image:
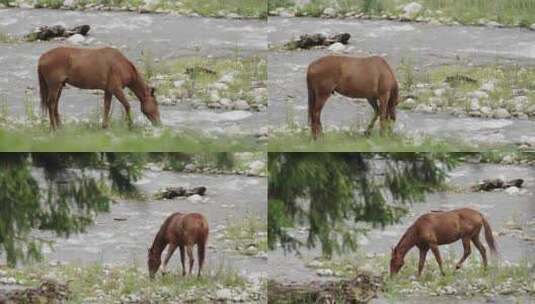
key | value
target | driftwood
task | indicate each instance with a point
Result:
(55, 31)
(172, 192)
(48, 292)
(491, 184)
(362, 289)
(308, 41)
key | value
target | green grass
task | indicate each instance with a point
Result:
(112, 283)
(510, 12)
(506, 79)
(471, 280)
(199, 74)
(353, 141)
(86, 137)
(6, 38)
(249, 231)
(207, 8)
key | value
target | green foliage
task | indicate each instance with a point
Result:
(330, 193)
(371, 6)
(64, 203)
(273, 4)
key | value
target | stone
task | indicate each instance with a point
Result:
(439, 92)
(190, 168)
(241, 105)
(329, 12)
(220, 86)
(70, 3)
(77, 39)
(337, 47)
(479, 95)
(324, 272)
(424, 108)
(411, 10)
(486, 111)
(225, 102)
(251, 250)
(178, 83)
(512, 190)
(520, 99)
(409, 102)
(532, 27)
(223, 294)
(501, 113)
(487, 86)
(227, 78)
(214, 96)
(256, 168)
(195, 198)
(474, 104)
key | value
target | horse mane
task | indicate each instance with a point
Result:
(161, 233)
(405, 236)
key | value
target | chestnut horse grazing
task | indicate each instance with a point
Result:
(438, 228)
(370, 78)
(182, 231)
(94, 69)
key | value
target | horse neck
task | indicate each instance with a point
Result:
(406, 242)
(159, 242)
(138, 86)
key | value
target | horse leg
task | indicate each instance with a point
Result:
(182, 259)
(52, 99)
(373, 103)
(56, 107)
(383, 110)
(481, 249)
(466, 254)
(191, 259)
(107, 107)
(423, 254)
(436, 252)
(170, 250)
(120, 96)
(321, 98)
(201, 247)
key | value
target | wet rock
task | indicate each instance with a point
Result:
(329, 12)
(337, 47)
(56, 31)
(172, 192)
(411, 10)
(241, 105)
(491, 184)
(325, 272)
(76, 39)
(501, 113)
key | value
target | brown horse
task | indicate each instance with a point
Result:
(94, 69)
(370, 78)
(182, 231)
(438, 228)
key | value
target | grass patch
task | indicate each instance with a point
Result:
(234, 78)
(511, 12)
(113, 284)
(456, 84)
(250, 8)
(248, 235)
(6, 38)
(346, 141)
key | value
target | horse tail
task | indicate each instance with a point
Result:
(201, 245)
(43, 90)
(489, 237)
(311, 100)
(393, 101)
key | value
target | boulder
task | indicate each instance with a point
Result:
(241, 105)
(501, 113)
(172, 192)
(76, 39)
(411, 10)
(337, 47)
(329, 12)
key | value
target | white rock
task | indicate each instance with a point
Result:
(227, 78)
(411, 10)
(225, 102)
(214, 96)
(424, 108)
(178, 83)
(223, 294)
(256, 168)
(220, 86)
(251, 250)
(487, 86)
(532, 27)
(474, 104)
(324, 272)
(479, 95)
(439, 92)
(70, 3)
(329, 12)
(512, 190)
(241, 105)
(195, 198)
(76, 39)
(409, 102)
(151, 2)
(337, 47)
(501, 113)
(190, 167)
(521, 99)
(486, 111)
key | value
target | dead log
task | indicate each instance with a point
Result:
(56, 31)
(308, 41)
(491, 184)
(172, 192)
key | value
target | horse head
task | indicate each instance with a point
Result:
(153, 262)
(396, 262)
(149, 106)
